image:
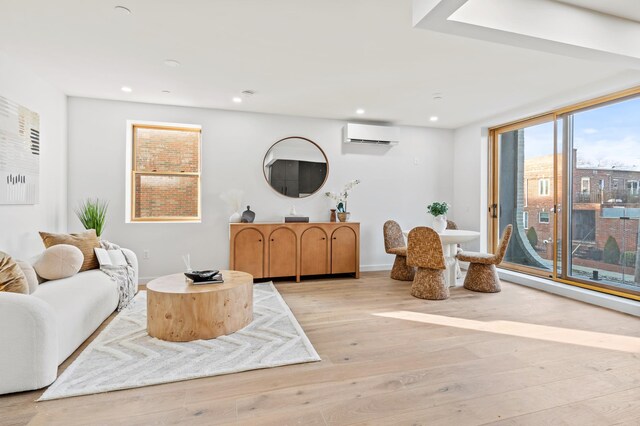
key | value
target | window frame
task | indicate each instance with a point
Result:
(630, 188)
(548, 221)
(133, 173)
(525, 220)
(562, 191)
(582, 187)
(546, 183)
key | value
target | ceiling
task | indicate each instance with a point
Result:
(302, 57)
(628, 9)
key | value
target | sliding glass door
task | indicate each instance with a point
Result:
(569, 183)
(525, 188)
(604, 157)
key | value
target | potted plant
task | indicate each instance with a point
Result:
(341, 200)
(93, 214)
(439, 210)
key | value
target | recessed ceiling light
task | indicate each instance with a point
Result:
(433, 118)
(237, 99)
(171, 63)
(126, 89)
(122, 10)
(249, 92)
(166, 91)
(360, 111)
(437, 96)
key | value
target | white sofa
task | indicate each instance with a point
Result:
(40, 330)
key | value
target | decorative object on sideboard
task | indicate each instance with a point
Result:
(92, 213)
(438, 210)
(19, 154)
(248, 216)
(233, 198)
(333, 217)
(295, 167)
(341, 200)
(344, 216)
(295, 217)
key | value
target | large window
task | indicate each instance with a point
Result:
(165, 173)
(586, 162)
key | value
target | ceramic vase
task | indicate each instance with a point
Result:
(235, 217)
(333, 218)
(439, 223)
(344, 216)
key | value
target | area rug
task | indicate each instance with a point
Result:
(124, 356)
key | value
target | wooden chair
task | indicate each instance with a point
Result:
(424, 251)
(482, 275)
(394, 244)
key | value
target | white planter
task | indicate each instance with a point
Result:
(439, 223)
(235, 218)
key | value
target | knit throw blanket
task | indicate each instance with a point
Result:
(122, 275)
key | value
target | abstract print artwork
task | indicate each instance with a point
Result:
(19, 153)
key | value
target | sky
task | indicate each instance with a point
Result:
(606, 136)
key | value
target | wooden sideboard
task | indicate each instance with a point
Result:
(271, 250)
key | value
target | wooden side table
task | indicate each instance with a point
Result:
(181, 312)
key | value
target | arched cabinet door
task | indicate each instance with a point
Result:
(343, 250)
(249, 252)
(282, 253)
(314, 248)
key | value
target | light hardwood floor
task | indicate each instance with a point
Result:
(455, 362)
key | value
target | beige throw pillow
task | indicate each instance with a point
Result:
(59, 261)
(11, 277)
(85, 241)
(30, 275)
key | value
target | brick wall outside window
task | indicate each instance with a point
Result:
(166, 173)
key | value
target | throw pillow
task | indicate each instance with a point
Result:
(11, 277)
(30, 275)
(85, 241)
(59, 261)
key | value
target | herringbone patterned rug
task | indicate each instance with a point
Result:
(123, 356)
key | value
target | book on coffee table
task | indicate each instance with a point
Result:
(216, 279)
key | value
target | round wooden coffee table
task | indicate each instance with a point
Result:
(181, 312)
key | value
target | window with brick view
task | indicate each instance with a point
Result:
(166, 173)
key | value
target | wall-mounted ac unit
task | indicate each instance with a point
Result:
(367, 133)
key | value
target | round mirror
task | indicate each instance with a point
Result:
(296, 167)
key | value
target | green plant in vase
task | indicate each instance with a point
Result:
(341, 200)
(92, 213)
(439, 210)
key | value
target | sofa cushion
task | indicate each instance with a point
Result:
(80, 304)
(59, 261)
(30, 275)
(12, 278)
(85, 241)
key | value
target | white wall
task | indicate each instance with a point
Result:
(470, 183)
(234, 144)
(20, 223)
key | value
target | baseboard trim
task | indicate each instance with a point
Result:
(371, 268)
(604, 300)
